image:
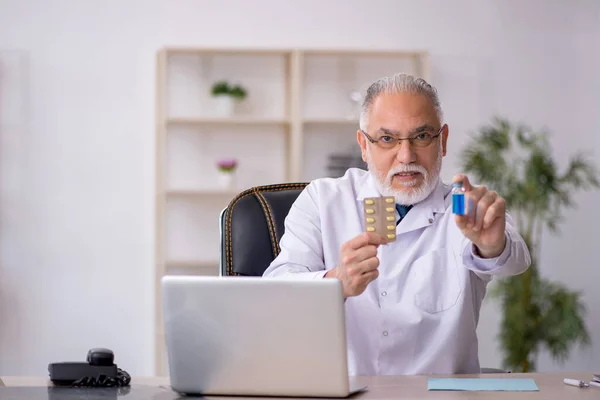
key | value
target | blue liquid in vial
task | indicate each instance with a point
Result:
(458, 203)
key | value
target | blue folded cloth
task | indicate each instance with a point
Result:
(483, 384)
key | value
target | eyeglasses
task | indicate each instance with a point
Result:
(419, 140)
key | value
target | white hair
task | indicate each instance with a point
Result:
(398, 83)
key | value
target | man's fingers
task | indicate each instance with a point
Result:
(476, 194)
(366, 238)
(472, 204)
(358, 255)
(359, 283)
(365, 279)
(472, 200)
(371, 275)
(465, 181)
(359, 262)
(368, 265)
(461, 221)
(496, 210)
(482, 207)
(363, 267)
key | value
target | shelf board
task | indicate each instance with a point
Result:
(226, 121)
(227, 51)
(362, 53)
(203, 192)
(331, 121)
(287, 51)
(208, 264)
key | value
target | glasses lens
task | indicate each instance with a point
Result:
(422, 140)
(419, 141)
(387, 144)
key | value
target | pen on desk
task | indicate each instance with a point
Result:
(575, 382)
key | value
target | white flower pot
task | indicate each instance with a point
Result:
(224, 105)
(226, 180)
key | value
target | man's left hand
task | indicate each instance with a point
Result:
(484, 223)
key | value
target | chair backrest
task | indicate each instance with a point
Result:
(252, 225)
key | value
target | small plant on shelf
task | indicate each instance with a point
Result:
(220, 88)
(226, 168)
(227, 165)
(226, 96)
(238, 92)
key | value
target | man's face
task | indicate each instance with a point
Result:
(407, 172)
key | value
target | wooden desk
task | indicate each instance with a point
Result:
(404, 387)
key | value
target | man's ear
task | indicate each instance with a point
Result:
(444, 139)
(362, 142)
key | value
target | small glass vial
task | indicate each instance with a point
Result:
(458, 198)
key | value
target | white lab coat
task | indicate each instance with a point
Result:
(420, 315)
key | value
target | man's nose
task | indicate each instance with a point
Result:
(405, 153)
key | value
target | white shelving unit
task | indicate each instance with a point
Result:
(298, 111)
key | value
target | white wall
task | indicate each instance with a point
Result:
(77, 164)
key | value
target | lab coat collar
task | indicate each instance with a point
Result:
(435, 202)
(367, 188)
(423, 214)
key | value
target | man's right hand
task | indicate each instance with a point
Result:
(358, 263)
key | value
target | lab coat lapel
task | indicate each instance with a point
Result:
(424, 213)
(367, 188)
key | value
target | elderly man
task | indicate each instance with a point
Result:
(412, 305)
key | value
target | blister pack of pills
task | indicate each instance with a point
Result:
(380, 216)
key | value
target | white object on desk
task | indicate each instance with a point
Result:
(575, 382)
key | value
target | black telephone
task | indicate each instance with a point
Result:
(98, 371)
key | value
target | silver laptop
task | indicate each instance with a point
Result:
(254, 336)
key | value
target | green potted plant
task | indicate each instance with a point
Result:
(517, 162)
(226, 96)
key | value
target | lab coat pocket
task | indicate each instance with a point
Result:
(435, 282)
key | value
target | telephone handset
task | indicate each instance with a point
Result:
(99, 370)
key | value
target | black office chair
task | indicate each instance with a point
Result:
(251, 227)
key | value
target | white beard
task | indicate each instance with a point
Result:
(414, 195)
